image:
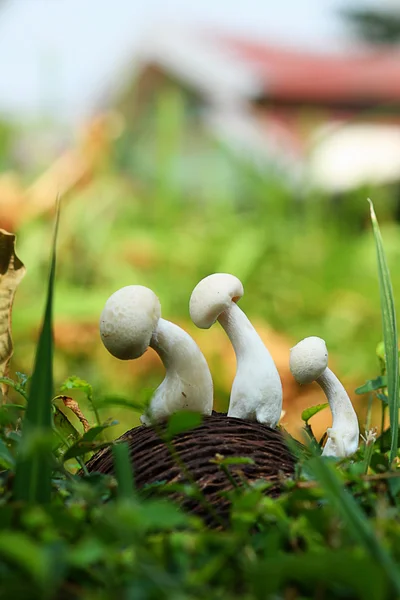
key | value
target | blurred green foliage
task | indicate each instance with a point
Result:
(7, 134)
(374, 26)
(170, 205)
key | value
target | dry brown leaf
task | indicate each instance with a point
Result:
(12, 271)
(74, 406)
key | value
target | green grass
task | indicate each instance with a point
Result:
(34, 463)
(390, 338)
(123, 471)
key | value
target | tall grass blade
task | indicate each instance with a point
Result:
(390, 340)
(353, 517)
(34, 461)
(123, 471)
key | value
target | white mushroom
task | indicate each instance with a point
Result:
(257, 390)
(130, 323)
(309, 362)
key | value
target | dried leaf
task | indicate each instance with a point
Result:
(12, 271)
(74, 406)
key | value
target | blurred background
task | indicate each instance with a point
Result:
(188, 138)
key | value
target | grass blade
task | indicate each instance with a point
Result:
(34, 461)
(390, 340)
(123, 471)
(353, 517)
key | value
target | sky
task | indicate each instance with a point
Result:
(56, 56)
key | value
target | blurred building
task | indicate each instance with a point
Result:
(332, 120)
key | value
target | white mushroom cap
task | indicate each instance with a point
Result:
(308, 359)
(128, 320)
(212, 296)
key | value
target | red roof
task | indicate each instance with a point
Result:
(291, 75)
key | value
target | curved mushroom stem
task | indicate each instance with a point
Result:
(187, 384)
(344, 434)
(257, 389)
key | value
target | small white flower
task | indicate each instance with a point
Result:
(370, 436)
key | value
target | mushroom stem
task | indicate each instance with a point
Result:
(246, 342)
(180, 354)
(344, 418)
(256, 390)
(187, 384)
(240, 331)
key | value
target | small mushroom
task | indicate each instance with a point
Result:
(309, 362)
(257, 390)
(130, 323)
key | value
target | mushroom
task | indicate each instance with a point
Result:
(257, 390)
(130, 323)
(309, 362)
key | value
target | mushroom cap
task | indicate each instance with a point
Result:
(128, 321)
(308, 359)
(212, 296)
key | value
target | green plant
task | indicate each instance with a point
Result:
(390, 338)
(34, 460)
